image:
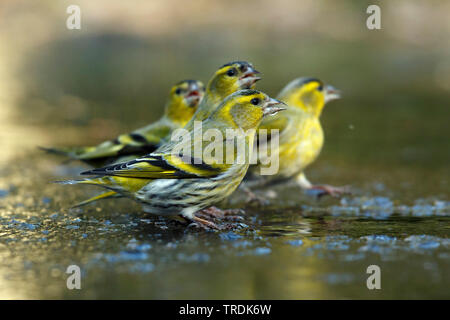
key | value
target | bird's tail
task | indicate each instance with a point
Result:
(100, 181)
(104, 182)
(105, 195)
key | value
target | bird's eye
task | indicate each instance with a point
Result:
(320, 88)
(255, 101)
(231, 72)
(178, 91)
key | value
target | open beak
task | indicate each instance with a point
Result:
(194, 95)
(331, 93)
(273, 106)
(248, 79)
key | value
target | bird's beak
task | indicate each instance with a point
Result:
(248, 79)
(194, 95)
(331, 93)
(273, 106)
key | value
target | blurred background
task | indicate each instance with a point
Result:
(388, 135)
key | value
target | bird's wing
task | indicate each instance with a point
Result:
(160, 166)
(122, 145)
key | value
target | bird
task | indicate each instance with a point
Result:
(184, 98)
(177, 182)
(301, 136)
(229, 78)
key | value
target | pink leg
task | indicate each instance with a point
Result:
(216, 213)
(205, 224)
(330, 190)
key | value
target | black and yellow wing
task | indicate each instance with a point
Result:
(160, 166)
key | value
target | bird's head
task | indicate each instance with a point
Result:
(230, 78)
(309, 94)
(183, 101)
(246, 108)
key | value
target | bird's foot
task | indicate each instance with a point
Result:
(228, 214)
(335, 192)
(203, 224)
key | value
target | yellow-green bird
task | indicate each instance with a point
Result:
(301, 136)
(176, 183)
(184, 98)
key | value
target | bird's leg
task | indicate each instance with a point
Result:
(252, 197)
(304, 183)
(331, 190)
(228, 214)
